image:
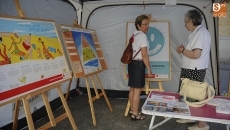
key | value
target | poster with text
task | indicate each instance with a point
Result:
(158, 51)
(84, 50)
(31, 57)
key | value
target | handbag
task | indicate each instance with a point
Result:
(127, 56)
(201, 91)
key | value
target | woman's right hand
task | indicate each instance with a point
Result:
(149, 73)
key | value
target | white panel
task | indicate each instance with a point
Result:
(224, 75)
(224, 47)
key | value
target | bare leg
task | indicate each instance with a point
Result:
(136, 100)
(131, 97)
(201, 124)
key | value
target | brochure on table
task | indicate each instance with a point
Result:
(165, 104)
(222, 105)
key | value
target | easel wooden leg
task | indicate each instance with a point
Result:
(66, 108)
(127, 108)
(102, 89)
(28, 114)
(94, 86)
(48, 109)
(16, 112)
(147, 85)
(69, 85)
(90, 101)
(98, 95)
(53, 121)
(160, 86)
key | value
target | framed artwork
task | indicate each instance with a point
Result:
(159, 50)
(84, 50)
(31, 57)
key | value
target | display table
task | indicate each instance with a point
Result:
(206, 113)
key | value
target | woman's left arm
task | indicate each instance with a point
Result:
(145, 57)
(192, 54)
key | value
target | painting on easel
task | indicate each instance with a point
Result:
(31, 56)
(84, 50)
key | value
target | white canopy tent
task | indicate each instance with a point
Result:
(109, 19)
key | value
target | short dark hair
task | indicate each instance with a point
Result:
(0, 39)
(139, 20)
(195, 16)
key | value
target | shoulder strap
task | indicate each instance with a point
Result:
(136, 53)
(139, 50)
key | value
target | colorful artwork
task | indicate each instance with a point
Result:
(158, 51)
(30, 56)
(84, 50)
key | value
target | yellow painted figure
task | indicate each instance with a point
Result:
(45, 50)
(6, 59)
(16, 51)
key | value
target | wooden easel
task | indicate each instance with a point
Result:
(21, 14)
(16, 112)
(72, 73)
(98, 95)
(75, 24)
(61, 117)
(53, 121)
(147, 90)
(42, 92)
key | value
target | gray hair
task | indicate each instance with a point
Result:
(195, 16)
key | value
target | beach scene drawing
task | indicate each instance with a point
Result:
(31, 56)
(22, 40)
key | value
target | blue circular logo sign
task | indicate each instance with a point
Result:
(156, 41)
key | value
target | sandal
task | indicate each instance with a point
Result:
(131, 113)
(137, 117)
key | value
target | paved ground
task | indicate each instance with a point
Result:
(107, 120)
